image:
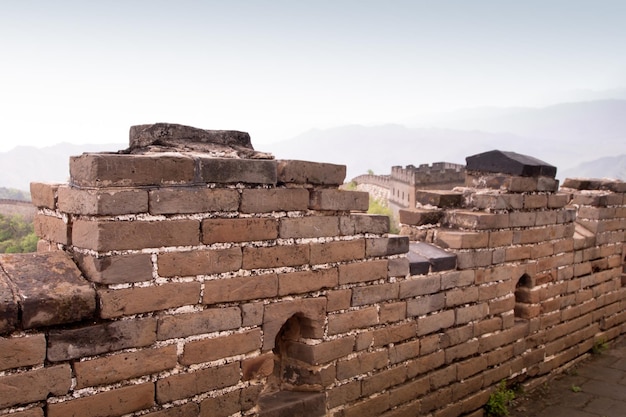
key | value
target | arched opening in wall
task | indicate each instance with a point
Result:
(295, 387)
(524, 298)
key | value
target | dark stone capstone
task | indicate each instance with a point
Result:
(509, 163)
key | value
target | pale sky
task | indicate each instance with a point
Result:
(85, 71)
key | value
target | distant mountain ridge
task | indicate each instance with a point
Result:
(578, 138)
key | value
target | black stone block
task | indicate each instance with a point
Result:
(439, 259)
(509, 163)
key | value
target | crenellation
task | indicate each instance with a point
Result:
(193, 280)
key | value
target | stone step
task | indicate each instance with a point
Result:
(437, 258)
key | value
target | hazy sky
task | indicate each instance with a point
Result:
(85, 71)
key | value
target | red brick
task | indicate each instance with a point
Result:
(128, 301)
(36, 385)
(307, 281)
(238, 230)
(31, 412)
(339, 299)
(392, 312)
(401, 352)
(409, 391)
(193, 200)
(362, 272)
(17, 352)
(115, 368)
(420, 286)
(116, 402)
(425, 363)
(43, 194)
(179, 386)
(222, 405)
(337, 251)
(107, 235)
(338, 200)
(471, 313)
(264, 200)
(310, 226)
(258, 367)
(383, 380)
(115, 170)
(343, 394)
(275, 256)
(240, 288)
(199, 262)
(344, 322)
(371, 407)
(461, 296)
(52, 228)
(500, 238)
(207, 350)
(304, 172)
(425, 304)
(108, 202)
(206, 321)
(116, 269)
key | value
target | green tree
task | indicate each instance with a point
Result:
(16, 235)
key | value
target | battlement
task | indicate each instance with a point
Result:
(180, 279)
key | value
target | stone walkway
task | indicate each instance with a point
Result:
(596, 387)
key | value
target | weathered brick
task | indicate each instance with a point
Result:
(310, 226)
(16, 352)
(305, 172)
(240, 288)
(535, 201)
(232, 170)
(35, 385)
(266, 200)
(386, 246)
(425, 363)
(128, 301)
(419, 216)
(207, 350)
(185, 410)
(258, 366)
(121, 366)
(392, 312)
(338, 200)
(462, 239)
(439, 198)
(179, 386)
(398, 267)
(31, 412)
(371, 407)
(383, 380)
(43, 195)
(357, 319)
(425, 304)
(558, 200)
(344, 394)
(361, 364)
(339, 299)
(474, 259)
(193, 200)
(116, 269)
(435, 322)
(206, 321)
(337, 251)
(222, 405)
(522, 219)
(374, 294)
(102, 202)
(238, 230)
(275, 256)
(101, 338)
(408, 392)
(362, 271)
(358, 223)
(500, 238)
(9, 307)
(322, 352)
(394, 334)
(457, 279)
(307, 281)
(50, 288)
(116, 402)
(401, 352)
(420, 286)
(199, 262)
(106, 235)
(311, 311)
(471, 313)
(497, 201)
(117, 170)
(52, 228)
(461, 296)
(476, 220)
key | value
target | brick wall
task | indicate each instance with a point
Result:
(182, 284)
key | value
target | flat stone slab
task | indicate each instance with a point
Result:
(439, 259)
(418, 264)
(161, 137)
(509, 163)
(49, 288)
(439, 198)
